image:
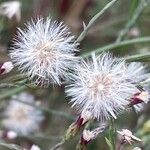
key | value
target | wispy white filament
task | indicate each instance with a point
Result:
(44, 51)
(104, 85)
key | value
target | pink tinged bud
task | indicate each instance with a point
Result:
(85, 116)
(6, 67)
(75, 127)
(143, 96)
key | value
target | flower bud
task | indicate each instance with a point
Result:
(140, 97)
(6, 67)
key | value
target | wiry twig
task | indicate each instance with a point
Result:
(58, 145)
(11, 146)
(134, 18)
(93, 20)
(120, 44)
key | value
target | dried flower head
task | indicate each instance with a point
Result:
(44, 51)
(104, 85)
(11, 9)
(88, 135)
(21, 117)
(127, 136)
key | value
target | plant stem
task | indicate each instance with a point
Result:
(12, 91)
(112, 134)
(138, 57)
(11, 146)
(93, 20)
(133, 20)
(120, 44)
(57, 146)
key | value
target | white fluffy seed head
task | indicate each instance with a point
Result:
(104, 85)
(34, 147)
(20, 117)
(44, 51)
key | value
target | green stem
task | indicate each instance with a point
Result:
(112, 134)
(138, 57)
(11, 146)
(12, 91)
(120, 44)
(93, 20)
(58, 145)
(133, 19)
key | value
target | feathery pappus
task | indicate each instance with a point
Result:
(104, 85)
(44, 51)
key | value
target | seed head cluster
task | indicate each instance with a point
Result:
(100, 87)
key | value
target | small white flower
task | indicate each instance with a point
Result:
(104, 85)
(22, 118)
(6, 67)
(34, 147)
(44, 51)
(11, 9)
(127, 136)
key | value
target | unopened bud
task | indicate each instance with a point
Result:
(138, 98)
(6, 67)
(84, 117)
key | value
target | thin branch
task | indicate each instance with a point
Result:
(12, 91)
(93, 20)
(120, 44)
(133, 20)
(58, 145)
(138, 57)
